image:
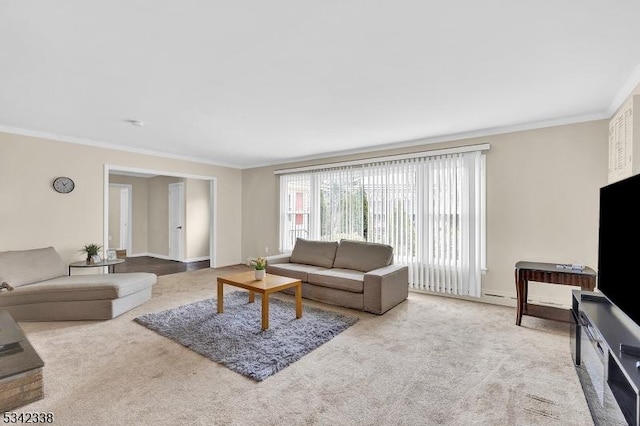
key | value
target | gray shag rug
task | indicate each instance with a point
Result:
(235, 339)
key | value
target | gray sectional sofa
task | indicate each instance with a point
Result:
(353, 274)
(37, 287)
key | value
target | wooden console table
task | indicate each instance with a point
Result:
(551, 274)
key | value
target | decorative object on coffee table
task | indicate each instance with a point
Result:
(91, 250)
(260, 265)
(233, 340)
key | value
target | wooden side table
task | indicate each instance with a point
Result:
(548, 273)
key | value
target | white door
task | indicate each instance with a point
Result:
(176, 221)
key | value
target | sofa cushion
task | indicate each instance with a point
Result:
(79, 287)
(317, 253)
(293, 270)
(30, 266)
(362, 256)
(340, 279)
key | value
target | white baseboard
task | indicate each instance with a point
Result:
(197, 259)
(138, 254)
(499, 298)
(496, 297)
(510, 299)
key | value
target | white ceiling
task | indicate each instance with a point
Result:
(252, 82)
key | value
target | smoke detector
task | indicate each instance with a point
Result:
(135, 123)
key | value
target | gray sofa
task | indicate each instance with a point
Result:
(353, 274)
(37, 287)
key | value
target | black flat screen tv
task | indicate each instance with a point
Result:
(619, 245)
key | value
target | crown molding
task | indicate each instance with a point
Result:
(492, 131)
(625, 91)
(107, 145)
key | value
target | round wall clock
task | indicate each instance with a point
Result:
(63, 185)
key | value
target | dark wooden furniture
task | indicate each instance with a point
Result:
(552, 274)
(607, 371)
(20, 367)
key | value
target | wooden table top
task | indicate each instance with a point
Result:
(270, 283)
(553, 267)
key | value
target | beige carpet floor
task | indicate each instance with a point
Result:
(429, 361)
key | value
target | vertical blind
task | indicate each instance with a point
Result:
(428, 209)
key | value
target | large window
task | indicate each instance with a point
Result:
(429, 209)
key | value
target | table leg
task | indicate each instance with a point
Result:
(588, 284)
(220, 298)
(525, 295)
(251, 296)
(265, 311)
(299, 301)
(519, 291)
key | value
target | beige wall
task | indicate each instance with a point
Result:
(34, 215)
(542, 202)
(197, 218)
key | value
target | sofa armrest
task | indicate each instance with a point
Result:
(278, 258)
(386, 287)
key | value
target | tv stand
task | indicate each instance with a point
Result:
(604, 347)
(630, 349)
(593, 297)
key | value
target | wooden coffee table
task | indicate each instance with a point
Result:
(270, 284)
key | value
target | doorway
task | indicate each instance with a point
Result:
(165, 238)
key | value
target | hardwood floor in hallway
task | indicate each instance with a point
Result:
(158, 266)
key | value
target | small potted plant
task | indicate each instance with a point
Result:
(91, 250)
(260, 265)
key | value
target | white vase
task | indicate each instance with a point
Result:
(259, 274)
